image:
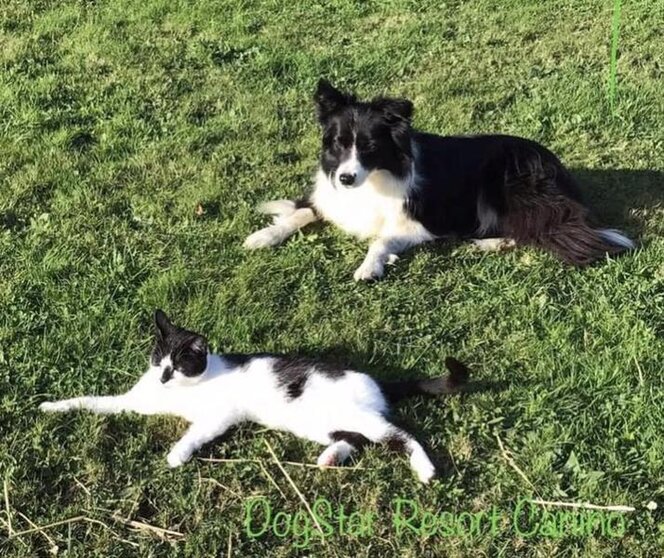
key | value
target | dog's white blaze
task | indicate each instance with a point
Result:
(352, 166)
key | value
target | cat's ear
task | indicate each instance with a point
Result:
(199, 344)
(162, 323)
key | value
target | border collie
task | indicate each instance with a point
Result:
(382, 180)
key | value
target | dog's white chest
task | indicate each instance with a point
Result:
(374, 209)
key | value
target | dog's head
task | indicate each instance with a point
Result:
(362, 137)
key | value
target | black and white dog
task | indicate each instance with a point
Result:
(381, 180)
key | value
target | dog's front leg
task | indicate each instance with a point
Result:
(381, 251)
(289, 216)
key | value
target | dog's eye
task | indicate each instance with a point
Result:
(368, 146)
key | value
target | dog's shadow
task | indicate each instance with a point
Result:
(622, 198)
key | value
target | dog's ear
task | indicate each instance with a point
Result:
(394, 109)
(329, 100)
(397, 113)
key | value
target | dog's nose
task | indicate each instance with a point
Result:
(347, 179)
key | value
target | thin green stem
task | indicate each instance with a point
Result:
(614, 52)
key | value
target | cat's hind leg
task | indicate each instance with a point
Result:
(378, 429)
(106, 404)
(344, 444)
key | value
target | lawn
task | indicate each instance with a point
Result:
(136, 139)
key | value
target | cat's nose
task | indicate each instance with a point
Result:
(166, 375)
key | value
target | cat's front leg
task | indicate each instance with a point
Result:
(288, 217)
(197, 434)
(104, 404)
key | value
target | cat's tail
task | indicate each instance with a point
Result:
(455, 382)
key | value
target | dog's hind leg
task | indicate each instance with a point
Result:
(288, 217)
(544, 209)
(493, 244)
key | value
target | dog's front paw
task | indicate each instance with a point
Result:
(264, 238)
(368, 271)
(177, 457)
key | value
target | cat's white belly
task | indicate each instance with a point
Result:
(331, 405)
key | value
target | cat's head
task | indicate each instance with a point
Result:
(181, 355)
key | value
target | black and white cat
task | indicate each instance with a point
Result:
(342, 409)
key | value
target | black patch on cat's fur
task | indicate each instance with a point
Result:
(397, 443)
(238, 359)
(296, 387)
(355, 439)
(188, 350)
(292, 373)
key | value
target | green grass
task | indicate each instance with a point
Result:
(118, 120)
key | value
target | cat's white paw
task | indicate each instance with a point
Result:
(264, 238)
(422, 466)
(328, 458)
(177, 457)
(51, 407)
(368, 271)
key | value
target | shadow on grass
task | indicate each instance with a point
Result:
(622, 198)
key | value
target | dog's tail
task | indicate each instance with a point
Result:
(455, 382)
(544, 208)
(563, 227)
(576, 242)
